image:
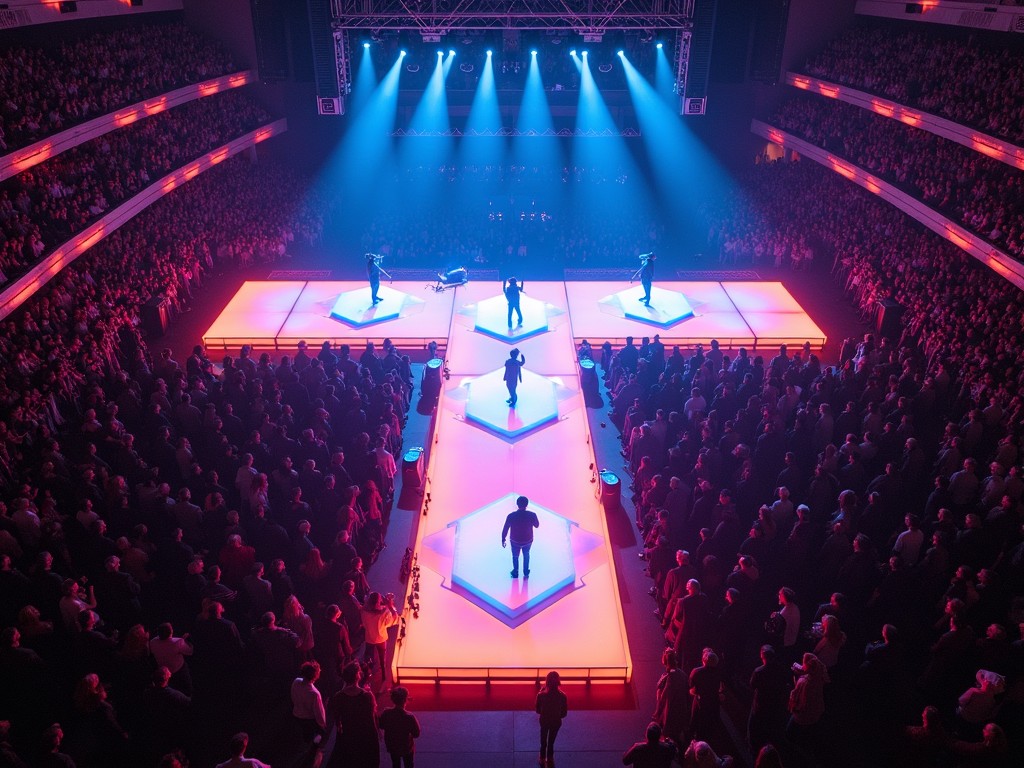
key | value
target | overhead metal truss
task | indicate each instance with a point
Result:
(582, 16)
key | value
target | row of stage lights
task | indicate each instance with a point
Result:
(451, 52)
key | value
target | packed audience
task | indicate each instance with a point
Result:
(43, 207)
(841, 546)
(168, 521)
(981, 193)
(976, 83)
(48, 88)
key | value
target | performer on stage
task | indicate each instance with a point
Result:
(647, 275)
(511, 288)
(373, 273)
(520, 525)
(513, 374)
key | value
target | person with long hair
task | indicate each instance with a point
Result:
(295, 618)
(552, 706)
(673, 705)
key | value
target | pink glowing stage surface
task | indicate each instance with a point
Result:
(272, 314)
(476, 622)
(755, 315)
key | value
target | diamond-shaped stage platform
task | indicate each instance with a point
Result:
(492, 318)
(357, 308)
(468, 553)
(665, 310)
(485, 405)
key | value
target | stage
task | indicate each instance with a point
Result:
(276, 315)
(473, 621)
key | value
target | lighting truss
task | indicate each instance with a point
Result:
(438, 17)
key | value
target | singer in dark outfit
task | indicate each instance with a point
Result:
(513, 375)
(518, 528)
(647, 276)
(373, 273)
(512, 289)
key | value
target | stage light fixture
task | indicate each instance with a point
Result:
(401, 53)
(366, 46)
(489, 53)
(451, 51)
(440, 54)
(533, 52)
(620, 53)
(660, 46)
(572, 52)
(584, 54)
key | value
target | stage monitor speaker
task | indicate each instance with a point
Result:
(611, 491)
(412, 468)
(888, 313)
(589, 384)
(156, 316)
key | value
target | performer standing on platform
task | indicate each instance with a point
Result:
(514, 374)
(520, 525)
(511, 288)
(647, 275)
(373, 273)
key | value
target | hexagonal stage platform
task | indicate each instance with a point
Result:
(470, 556)
(485, 405)
(356, 308)
(665, 310)
(492, 318)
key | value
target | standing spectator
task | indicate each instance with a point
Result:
(807, 704)
(308, 705)
(401, 729)
(353, 709)
(552, 706)
(672, 710)
(379, 614)
(170, 651)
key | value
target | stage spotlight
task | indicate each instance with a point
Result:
(451, 51)
(533, 53)
(584, 54)
(401, 53)
(366, 45)
(620, 53)
(572, 52)
(440, 53)
(660, 46)
(489, 53)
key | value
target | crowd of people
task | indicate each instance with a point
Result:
(976, 82)
(841, 546)
(43, 207)
(981, 193)
(193, 532)
(48, 88)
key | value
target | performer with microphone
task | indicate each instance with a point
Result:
(647, 275)
(373, 272)
(511, 288)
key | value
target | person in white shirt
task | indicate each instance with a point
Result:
(308, 705)
(909, 543)
(386, 464)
